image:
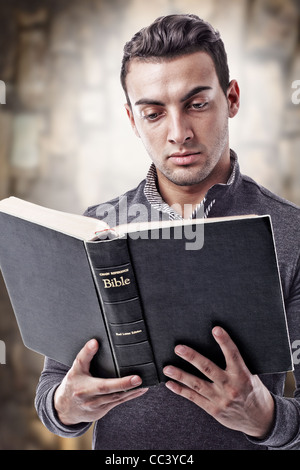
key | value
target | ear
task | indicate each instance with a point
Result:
(233, 98)
(131, 119)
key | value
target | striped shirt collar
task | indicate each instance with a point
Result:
(157, 202)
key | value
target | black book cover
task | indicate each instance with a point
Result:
(232, 281)
(57, 289)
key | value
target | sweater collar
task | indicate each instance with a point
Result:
(204, 207)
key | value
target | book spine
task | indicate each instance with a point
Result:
(122, 309)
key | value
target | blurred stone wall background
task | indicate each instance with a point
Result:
(65, 141)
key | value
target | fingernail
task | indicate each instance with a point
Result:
(172, 386)
(217, 331)
(92, 344)
(136, 380)
(169, 371)
(180, 350)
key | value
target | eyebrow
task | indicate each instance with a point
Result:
(195, 91)
(190, 94)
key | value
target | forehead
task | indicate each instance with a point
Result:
(170, 76)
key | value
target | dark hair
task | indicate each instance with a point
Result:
(175, 35)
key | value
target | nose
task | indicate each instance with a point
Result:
(180, 130)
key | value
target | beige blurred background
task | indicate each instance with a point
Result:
(65, 141)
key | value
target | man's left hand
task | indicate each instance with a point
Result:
(235, 398)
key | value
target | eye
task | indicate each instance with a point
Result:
(152, 116)
(198, 106)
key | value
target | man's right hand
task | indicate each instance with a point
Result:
(83, 398)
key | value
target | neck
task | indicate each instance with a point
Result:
(184, 199)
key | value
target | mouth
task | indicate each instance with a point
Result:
(184, 158)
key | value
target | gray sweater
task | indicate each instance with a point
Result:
(162, 420)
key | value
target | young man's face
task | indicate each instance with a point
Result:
(181, 114)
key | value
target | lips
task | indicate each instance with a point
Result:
(186, 158)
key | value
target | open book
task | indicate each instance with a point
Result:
(87, 228)
(140, 290)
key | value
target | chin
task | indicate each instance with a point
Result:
(185, 177)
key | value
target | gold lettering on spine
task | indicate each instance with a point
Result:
(114, 282)
(129, 333)
(114, 272)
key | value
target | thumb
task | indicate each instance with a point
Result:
(83, 359)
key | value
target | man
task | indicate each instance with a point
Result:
(179, 99)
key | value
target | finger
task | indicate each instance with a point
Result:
(115, 398)
(189, 394)
(200, 386)
(202, 363)
(108, 386)
(83, 359)
(233, 358)
(127, 396)
(122, 399)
